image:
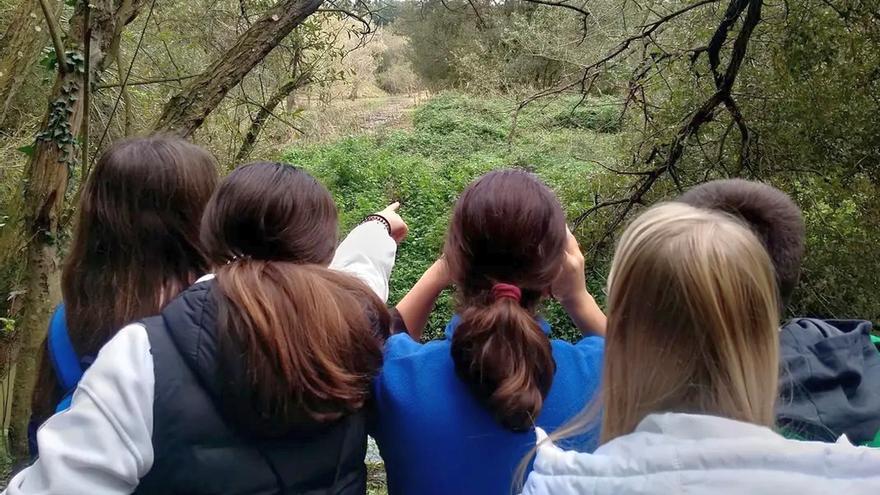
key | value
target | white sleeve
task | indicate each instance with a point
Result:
(102, 445)
(368, 253)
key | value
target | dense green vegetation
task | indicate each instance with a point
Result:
(454, 139)
(616, 104)
(785, 93)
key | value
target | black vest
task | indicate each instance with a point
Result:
(197, 451)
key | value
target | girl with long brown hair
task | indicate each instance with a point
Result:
(135, 246)
(252, 380)
(456, 415)
(690, 375)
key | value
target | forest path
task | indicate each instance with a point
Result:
(394, 112)
(367, 115)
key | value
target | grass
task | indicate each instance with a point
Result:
(453, 140)
(376, 481)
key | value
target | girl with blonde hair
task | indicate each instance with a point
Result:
(690, 375)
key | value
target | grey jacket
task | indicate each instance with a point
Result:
(829, 380)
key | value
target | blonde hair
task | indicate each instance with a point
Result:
(693, 315)
(692, 323)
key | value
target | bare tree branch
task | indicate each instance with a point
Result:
(187, 110)
(563, 5)
(146, 82)
(665, 162)
(745, 133)
(137, 49)
(480, 22)
(301, 76)
(585, 14)
(55, 34)
(590, 70)
(126, 99)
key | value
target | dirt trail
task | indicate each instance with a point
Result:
(342, 118)
(394, 112)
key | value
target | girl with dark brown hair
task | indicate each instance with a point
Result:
(455, 415)
(254, 379)
(135, 246)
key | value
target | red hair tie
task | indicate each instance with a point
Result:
(502, 290)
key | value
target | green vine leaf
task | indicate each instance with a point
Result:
(7, 326)
(28, 150)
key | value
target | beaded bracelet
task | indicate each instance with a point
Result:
(378, 218)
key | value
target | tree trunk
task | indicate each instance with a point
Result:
(186, 111)
(21, 45)
(45, 185)
(250, 140)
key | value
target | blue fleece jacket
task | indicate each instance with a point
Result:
(437, 438)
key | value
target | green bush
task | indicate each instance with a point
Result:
(596, 115)
(454, 140)
(843, 243)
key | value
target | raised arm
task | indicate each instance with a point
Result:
(417, 304)
(570, 289)
(368, 252)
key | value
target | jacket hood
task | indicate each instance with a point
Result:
(829, 382)
(685, 453)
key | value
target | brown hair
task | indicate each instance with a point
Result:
(507, 227)
(771, 214)
(135, 244)
(293, 350)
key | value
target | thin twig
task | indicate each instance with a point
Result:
(245, 99)
(146, 82)
(137, 48)
(87, 90)
(126, 100)
(480, 22)
(367, 27)
(55, 34)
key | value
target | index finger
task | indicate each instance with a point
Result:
(393, 206)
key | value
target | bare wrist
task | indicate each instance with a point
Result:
(437, 278)
(575, 300)
(586, 314)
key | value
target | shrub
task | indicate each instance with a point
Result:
(599, 115)
(454, 140)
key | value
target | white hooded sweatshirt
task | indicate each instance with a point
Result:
(698, 454)
(102, 444)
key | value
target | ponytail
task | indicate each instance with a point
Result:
(503, 355)
(299, 344)
(507, 226)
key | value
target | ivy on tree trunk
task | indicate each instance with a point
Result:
(45, 186)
